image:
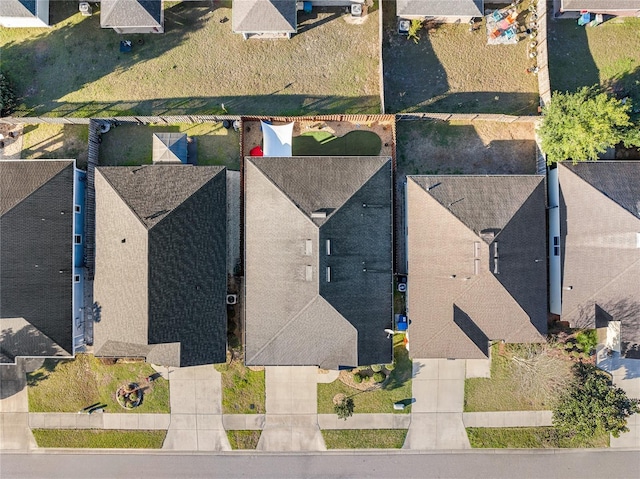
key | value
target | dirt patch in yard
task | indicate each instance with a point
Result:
(458, 147)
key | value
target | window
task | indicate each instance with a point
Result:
(556, 246)
(76, 208)
(76, 278)
(77, 239)
(328, 247)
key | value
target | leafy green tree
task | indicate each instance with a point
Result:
(344, 408)
(593, 403)
(7, 96)
(578, 126)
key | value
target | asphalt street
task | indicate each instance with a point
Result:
(548, 464)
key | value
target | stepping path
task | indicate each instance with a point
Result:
(291, 419)
(436, 414)
(196, 410)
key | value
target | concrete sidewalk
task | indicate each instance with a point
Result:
(61, 420)
(14, 409)
(365, 421)
(507, 419)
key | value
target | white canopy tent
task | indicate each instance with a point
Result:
(277, 139)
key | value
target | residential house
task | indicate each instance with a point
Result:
(318, 261)
(265, 18)
(132, 16)
(160, 273)
(622, 8)
(600, 248)
(41, 258)
(24, 13)
(476, 263)
(448, 11)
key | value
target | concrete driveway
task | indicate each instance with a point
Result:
(14, 409)
(436, 414)
(196, 410)
(291, 420)
(626, 375)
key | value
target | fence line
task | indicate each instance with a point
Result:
(380, 59)
(544, 82)
(467, 117)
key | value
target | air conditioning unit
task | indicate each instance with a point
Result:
(232, 298)
(85, 9)
(356, 9)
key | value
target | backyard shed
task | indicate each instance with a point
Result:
(169, 148)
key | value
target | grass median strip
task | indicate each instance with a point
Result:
(90, 438)
(529, 438)
(243, 390)
(364, 438)
(243, 439)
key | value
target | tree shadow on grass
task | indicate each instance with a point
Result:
(46, 67)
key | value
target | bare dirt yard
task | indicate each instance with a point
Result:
(461, 147)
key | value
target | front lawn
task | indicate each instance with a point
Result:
(364, 438)
(107, 439)
(72, 385)
(397, 388)
(243, 390)
(515, 385)
(197, 66)
(131, 145)
(528, 438)
(243, 439)
(455, 71)
(608, 55)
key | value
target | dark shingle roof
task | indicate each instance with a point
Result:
(596, 5)
(600, 224)
(162, 291)
(288, 298)
(459, 293)
(36, 225)
(131, 13)
(440, 8)
(256, 16)
(17, 8)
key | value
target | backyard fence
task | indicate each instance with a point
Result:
(471, 117)
(544, 82)
(125, 120)
(381, 62)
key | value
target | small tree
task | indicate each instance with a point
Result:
(379, 377)
(344, 408)
(593, 403)
(414, 28)
(7, 96)
(578, 126)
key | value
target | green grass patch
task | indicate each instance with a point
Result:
(243, 439)
(46, 141)
(72, 385)
(106, 439)
(397, 388)
(364, 438)
(322, 143)
(608, 55)
(76, 68)
(529, 438)
(243, 390)
(132, 145)
(501, 392)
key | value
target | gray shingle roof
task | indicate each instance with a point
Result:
(440, 8)
(600, 222)
(294, 316)
(36, 222)
(130, 13)
(169, 148)
(18, 8)
(597, 5)
(161, 263)
(256, 16)
(460, 295)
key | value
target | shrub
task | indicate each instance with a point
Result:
(379, 377)
(416, 26)
(7, 96)
(376, 368)
(587, 341)
(344, 408)
(390, 367)
(357, 378)
(365, 378)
